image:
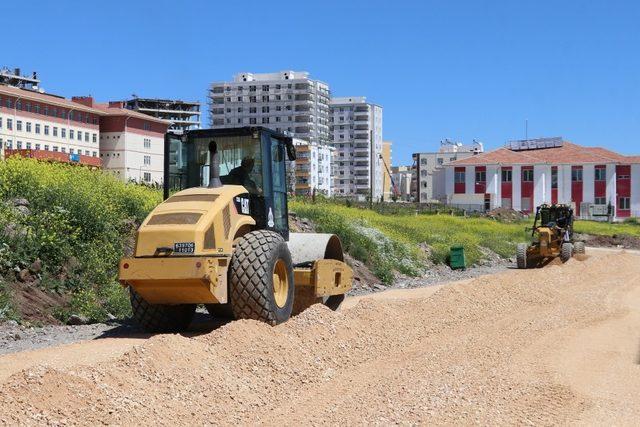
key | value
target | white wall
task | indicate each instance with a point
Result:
(516, 189)
(493, 186)
(564, 184)
(588, 188)
(541, 185)
(449, 177)
(611, 185)
(470, 179)
(123, 153)
(635, 190)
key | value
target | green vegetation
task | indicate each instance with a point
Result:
(630, 228)
(363, 230)
(78, 223)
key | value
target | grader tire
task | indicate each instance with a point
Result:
(158, 317)
(566, 252)
(261, 278)
(579, 247)
(521, 255)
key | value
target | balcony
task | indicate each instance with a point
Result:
(361, 119)
(303, 119)
(362, 109)
(361, 136)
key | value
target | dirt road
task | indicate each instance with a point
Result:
(558, 345)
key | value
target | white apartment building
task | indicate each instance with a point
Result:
(287, 101)
(39, 125)
(132, 144)
(313, 168)
(356, 129)
(424, 185)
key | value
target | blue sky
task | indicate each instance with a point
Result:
(447, 69)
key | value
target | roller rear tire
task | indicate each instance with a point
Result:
(261, 278)
(159, 317)
(579, 248)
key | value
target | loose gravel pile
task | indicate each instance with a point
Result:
(500, 349)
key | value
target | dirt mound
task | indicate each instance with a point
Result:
(505, 215)
(486, 351)
(615, 241)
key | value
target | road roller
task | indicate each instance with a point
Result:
(221, 237)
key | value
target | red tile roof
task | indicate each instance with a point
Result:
(88, 106)
(45, 98)
(569, 153)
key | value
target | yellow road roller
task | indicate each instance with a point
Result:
(221, 237)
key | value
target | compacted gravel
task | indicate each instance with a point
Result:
(549, 346)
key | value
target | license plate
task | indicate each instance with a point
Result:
(184, 247)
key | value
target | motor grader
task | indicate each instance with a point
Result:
(551, 237)
(221, 237)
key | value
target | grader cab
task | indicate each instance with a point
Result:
(551, 237)
(221, 237)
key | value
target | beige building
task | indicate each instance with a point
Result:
(387, 189)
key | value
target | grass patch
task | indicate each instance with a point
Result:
(630, 228)
(403, 232)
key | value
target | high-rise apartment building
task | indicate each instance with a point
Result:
(356, 128)
(287, 101)
(313, 168)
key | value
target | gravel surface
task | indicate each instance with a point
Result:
(551, 346)
(15, 337)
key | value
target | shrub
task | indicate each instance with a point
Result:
(79, 223)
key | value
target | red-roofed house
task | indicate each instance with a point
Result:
(49, 127)
(549, 170)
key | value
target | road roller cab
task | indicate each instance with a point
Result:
(221, 237)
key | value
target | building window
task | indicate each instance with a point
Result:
(265, 120)
(576, 175)
(252, 120)
(79, 135)
(624, 203)
(94, 138)
(46, 148)
(147, 177)
(0, 122)
(94, 154)
(507, 175)
(146, 126)
(601, 174)
(86, 137)
(55, 148)
(147, 160)
(63, 149)
(36, 109)
(71, 134)
(481, 176)
(147, 143)
(554, 178)
(37, 146)
(46, 129)
(527, 175)
(63, 132)
(55, 131)
(600, 200)
(19, 145)
(459, 177)
(10, 124)
(19, 126)
(28, 146)
(440, 161)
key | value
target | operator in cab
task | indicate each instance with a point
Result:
(241, 175)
